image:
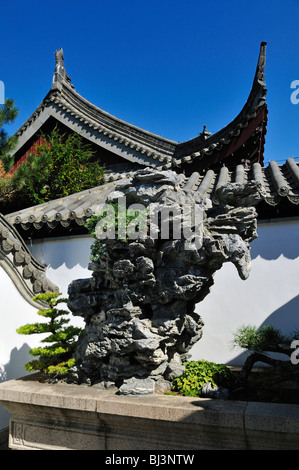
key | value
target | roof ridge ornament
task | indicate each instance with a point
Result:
(261, 63)
(204, 134)
(60, 74)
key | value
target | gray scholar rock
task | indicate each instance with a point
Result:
(139, 304)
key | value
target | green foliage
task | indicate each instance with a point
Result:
(260, 342)
(263, 339)
(59, 166)
(115, 223)
(8, 113)
(56, 357)
(197, 373)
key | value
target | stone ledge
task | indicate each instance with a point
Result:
(61, 416)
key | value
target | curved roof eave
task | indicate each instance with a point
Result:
(255, 108)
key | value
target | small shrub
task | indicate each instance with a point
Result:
(197, 373)
(56, 357)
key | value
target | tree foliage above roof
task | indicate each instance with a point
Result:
(8, 113)
(60, 165)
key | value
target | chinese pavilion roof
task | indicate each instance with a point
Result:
(121, 143)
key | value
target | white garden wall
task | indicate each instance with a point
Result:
(66, 260)
(270, 295)
(14, 312)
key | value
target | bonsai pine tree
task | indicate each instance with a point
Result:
(260, 342)
(56, 357)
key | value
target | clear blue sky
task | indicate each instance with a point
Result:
(167, 66)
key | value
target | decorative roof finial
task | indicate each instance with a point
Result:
(60, 74)
(204, 134)
(261, 63)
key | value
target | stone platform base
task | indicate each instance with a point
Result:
(72, 417)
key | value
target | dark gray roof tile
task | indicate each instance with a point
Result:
(278, 182)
